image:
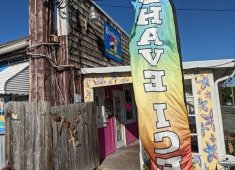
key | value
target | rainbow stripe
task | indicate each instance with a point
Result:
(157, 80)
(2, 124)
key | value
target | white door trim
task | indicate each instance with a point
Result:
(120, 94)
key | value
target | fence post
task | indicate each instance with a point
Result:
(48, 136)
(8, 136)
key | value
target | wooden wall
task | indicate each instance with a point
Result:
(33, 142)
(86, 48)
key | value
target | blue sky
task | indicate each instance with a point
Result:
(14, 20)
(204, 35)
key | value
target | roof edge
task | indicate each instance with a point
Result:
(223, 63)
(14, 45)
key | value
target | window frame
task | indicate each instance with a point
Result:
(99, 93)
(198, 125)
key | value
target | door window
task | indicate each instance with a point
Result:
(100, 107)
(192, 118)
(228, 119)
(130, 106)
(118, 102)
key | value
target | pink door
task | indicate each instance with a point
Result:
(106, 139)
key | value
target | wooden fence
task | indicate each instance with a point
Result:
(33, 140)
(2, 150)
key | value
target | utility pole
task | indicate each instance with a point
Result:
(40, 29)
(51, 77)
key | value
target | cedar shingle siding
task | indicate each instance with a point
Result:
(86, 47)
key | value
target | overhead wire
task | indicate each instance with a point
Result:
(205, 9)
(178, 9)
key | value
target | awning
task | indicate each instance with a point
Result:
(230, 82)
(14, 79)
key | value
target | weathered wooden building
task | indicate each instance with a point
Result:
(86, 40)
(63, 39)
(101, 44)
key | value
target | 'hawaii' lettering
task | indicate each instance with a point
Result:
(154, 82)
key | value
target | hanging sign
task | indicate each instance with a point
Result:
(112, 43)
(158, 86)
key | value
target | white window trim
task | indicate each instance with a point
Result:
(198, 125)
(101, 117)
(122, 123)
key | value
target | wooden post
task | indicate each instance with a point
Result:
(46, 82)
(8, 135)
(40, 29)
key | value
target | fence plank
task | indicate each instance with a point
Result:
(7, 137)
(85, 156)
(2, 151)
(48, 136)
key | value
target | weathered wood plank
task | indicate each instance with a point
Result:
(7, 137)
(28, 136)
(48, 136)
(33, 141)
(2, 149)
(68, 156)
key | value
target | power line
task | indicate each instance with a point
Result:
(115, 6)
(178, 9)
(213, 10)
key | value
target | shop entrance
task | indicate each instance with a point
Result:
(116, 118)
(118, 105)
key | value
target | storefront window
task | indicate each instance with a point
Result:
(191, 114)
(228, 118)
